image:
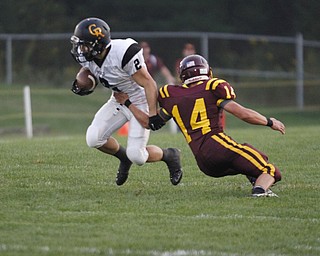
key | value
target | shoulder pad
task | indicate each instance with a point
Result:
(213, 83)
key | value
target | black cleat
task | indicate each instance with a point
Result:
(172, 160)
(123, 173)
(251, 179)
(176, 176)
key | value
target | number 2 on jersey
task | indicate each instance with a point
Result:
(137, 64)
(199, 119)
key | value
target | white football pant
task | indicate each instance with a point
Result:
(111, 117)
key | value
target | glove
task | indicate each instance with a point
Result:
(75, 89)
(156, 122)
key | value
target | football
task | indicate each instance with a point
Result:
(86, 80)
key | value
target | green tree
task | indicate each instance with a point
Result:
(271, 17)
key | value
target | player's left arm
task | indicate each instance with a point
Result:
(133, 63)
(144, 79)
(251, 116)
(227, 95)
(159, 119)
(141, 116)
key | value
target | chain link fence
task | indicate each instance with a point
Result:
(265, 70)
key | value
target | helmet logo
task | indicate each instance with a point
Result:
(203, 71)
(190, 64)
(95, 31)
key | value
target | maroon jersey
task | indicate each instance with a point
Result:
(197, 110)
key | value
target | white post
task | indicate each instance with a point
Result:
(28, 112)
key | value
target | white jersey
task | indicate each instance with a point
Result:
(123, 60)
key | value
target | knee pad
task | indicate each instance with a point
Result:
(138, 156)
(93, 137)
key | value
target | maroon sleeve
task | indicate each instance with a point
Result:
(224, 90)
(221, 89)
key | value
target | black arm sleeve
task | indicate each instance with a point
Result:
(131, 51)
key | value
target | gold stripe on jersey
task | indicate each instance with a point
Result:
(161, 92)
(219, 102)
(164, 92)
(213, 83)
(256, 159)
(209, 83)
(165, 111)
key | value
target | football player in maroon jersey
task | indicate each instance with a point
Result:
(197, 107)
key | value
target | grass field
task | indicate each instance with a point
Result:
(58, 197)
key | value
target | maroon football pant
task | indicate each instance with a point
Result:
(222, 156)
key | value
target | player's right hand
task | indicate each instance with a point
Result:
(278, 126)
(79, 91)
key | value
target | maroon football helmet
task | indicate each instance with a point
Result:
(194, 68)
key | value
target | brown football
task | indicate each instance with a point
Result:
(85, 79)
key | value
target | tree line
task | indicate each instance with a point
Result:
(270, 17)
(50, 62)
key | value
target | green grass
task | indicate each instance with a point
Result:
(58, 197)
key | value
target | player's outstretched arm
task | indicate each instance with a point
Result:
(253, 117)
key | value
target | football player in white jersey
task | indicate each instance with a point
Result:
(119, 65)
